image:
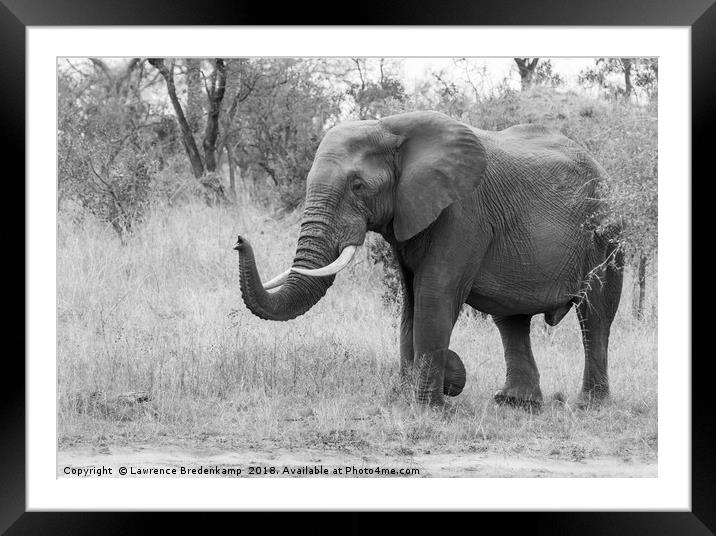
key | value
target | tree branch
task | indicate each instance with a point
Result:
(187, 137)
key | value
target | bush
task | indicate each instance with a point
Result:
(379, 251)
(117, 192)
(106, 158)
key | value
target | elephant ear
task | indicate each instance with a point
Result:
(440, 160)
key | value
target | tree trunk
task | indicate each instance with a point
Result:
(216, 96)
(197, 166)
(626, 63)
(194, 108)
(641, 284)
(232, 172)
(526, 68)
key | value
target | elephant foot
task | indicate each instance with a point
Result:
(430, 377)
(455, 374)
(593, 398)
(528, 397)
(429, 397)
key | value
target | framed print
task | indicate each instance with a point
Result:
(407, 265)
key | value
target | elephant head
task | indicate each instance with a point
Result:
(393, 176)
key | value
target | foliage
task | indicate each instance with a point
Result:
(106, 158)
(621, 77)
(277, 130)
(380, 252)
(375, 98)
(546, 76)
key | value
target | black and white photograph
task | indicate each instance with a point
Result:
(364, 266)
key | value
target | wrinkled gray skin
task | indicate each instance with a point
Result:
(506, 222)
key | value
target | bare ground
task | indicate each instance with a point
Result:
(471, 465)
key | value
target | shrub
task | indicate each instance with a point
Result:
(379, 251)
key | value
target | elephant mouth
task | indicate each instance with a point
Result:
(343, 260)
(333, 268)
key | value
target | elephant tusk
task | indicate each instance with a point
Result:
(278, 280)
(336, 266)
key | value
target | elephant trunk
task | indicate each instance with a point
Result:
(299, 292)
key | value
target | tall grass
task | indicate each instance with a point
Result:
(162, 312)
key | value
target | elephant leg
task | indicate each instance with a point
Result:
(455, 374)
(438, 370)
(406, 325)
(522, 378)
(596, 312)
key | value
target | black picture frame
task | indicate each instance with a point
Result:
(699, 15)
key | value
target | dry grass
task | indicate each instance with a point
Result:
(163, 313)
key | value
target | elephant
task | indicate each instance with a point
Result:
(509, 222)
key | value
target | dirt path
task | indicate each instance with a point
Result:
(300, 462)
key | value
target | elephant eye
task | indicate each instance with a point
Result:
(357, 185)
